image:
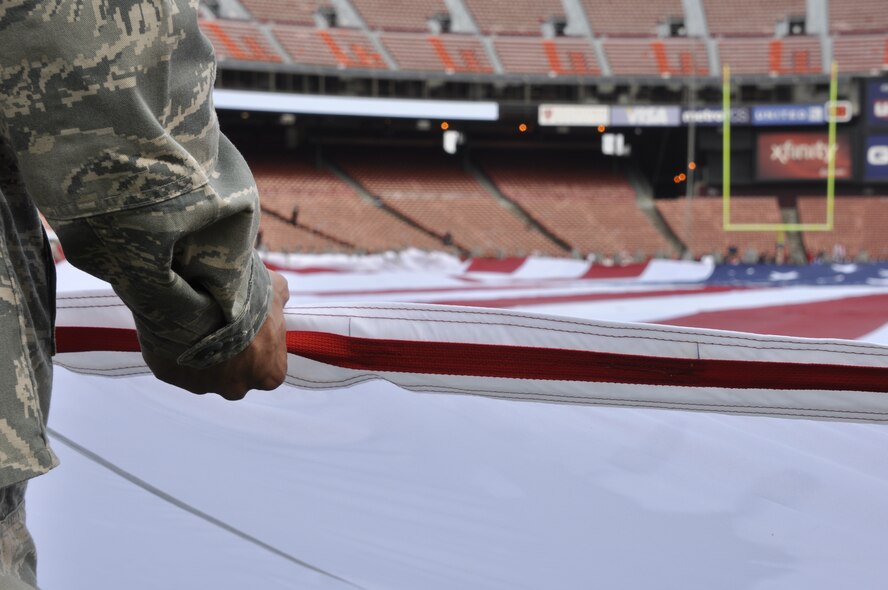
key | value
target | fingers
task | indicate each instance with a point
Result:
(261, 365)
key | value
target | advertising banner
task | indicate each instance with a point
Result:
(876, 167)
(573, 115)
(712, 116)
(789, 114)
(801, 156)
(646, 116)
(877, 103)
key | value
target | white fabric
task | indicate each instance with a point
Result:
(390, 489)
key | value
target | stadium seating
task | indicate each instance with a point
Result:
(339, 48)
(284, 11)
(638, 18)
(446, 53)
(699, 224)
(329, 206)
(858, 16)
(513, 17)
(594, 210)
(399, 15)
(437, 193)
(657, 57)
(859, 225)
(752, 17)
(239, 41)
(867, 54)
(758, 55)
(279, 236)
(561, 56)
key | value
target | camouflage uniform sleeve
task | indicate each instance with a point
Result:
(107, 104)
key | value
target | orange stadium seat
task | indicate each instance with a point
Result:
(789, 55)
(657, 57)
(447, 53)
(239, 41)
(340, 48)
(561, 56)
(513, 17)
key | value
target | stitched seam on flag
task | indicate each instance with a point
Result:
(565, 331)
(485, 392)
(625, 402)
(298, 312)
(295, 312)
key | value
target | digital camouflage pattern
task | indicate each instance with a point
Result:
(108, 127)
(18, 556)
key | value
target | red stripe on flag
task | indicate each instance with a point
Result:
(848, 318)
(523, 362)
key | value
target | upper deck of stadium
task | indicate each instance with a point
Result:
(552, 39)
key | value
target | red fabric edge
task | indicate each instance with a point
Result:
(523, 362)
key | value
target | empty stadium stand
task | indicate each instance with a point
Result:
(279, 236)
(858, 16)
(592, 209)
(751, 17)
(866, 54)
(239, 41)
(338, 48)
(513, 17)
(436, 192)
(399, 15)
(445, 53)
(698, 223)
(561, 56)
(757, 55)
(635, 18)
(328, 205)
(657, 57)
(284, 11)
(859, 226)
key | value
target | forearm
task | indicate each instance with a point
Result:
(108, 108)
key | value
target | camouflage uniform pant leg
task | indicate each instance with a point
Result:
(18, 556)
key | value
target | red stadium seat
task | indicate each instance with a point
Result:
(329, 206)
(858, 16)
(437, 193)
(866, 54)
(513, 17)
(752, 17)
(284, 11)
(699, 223)
(860, 225)
(594, 210)
(399, 15)
(636, 18)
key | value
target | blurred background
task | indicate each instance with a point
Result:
(566, 128)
